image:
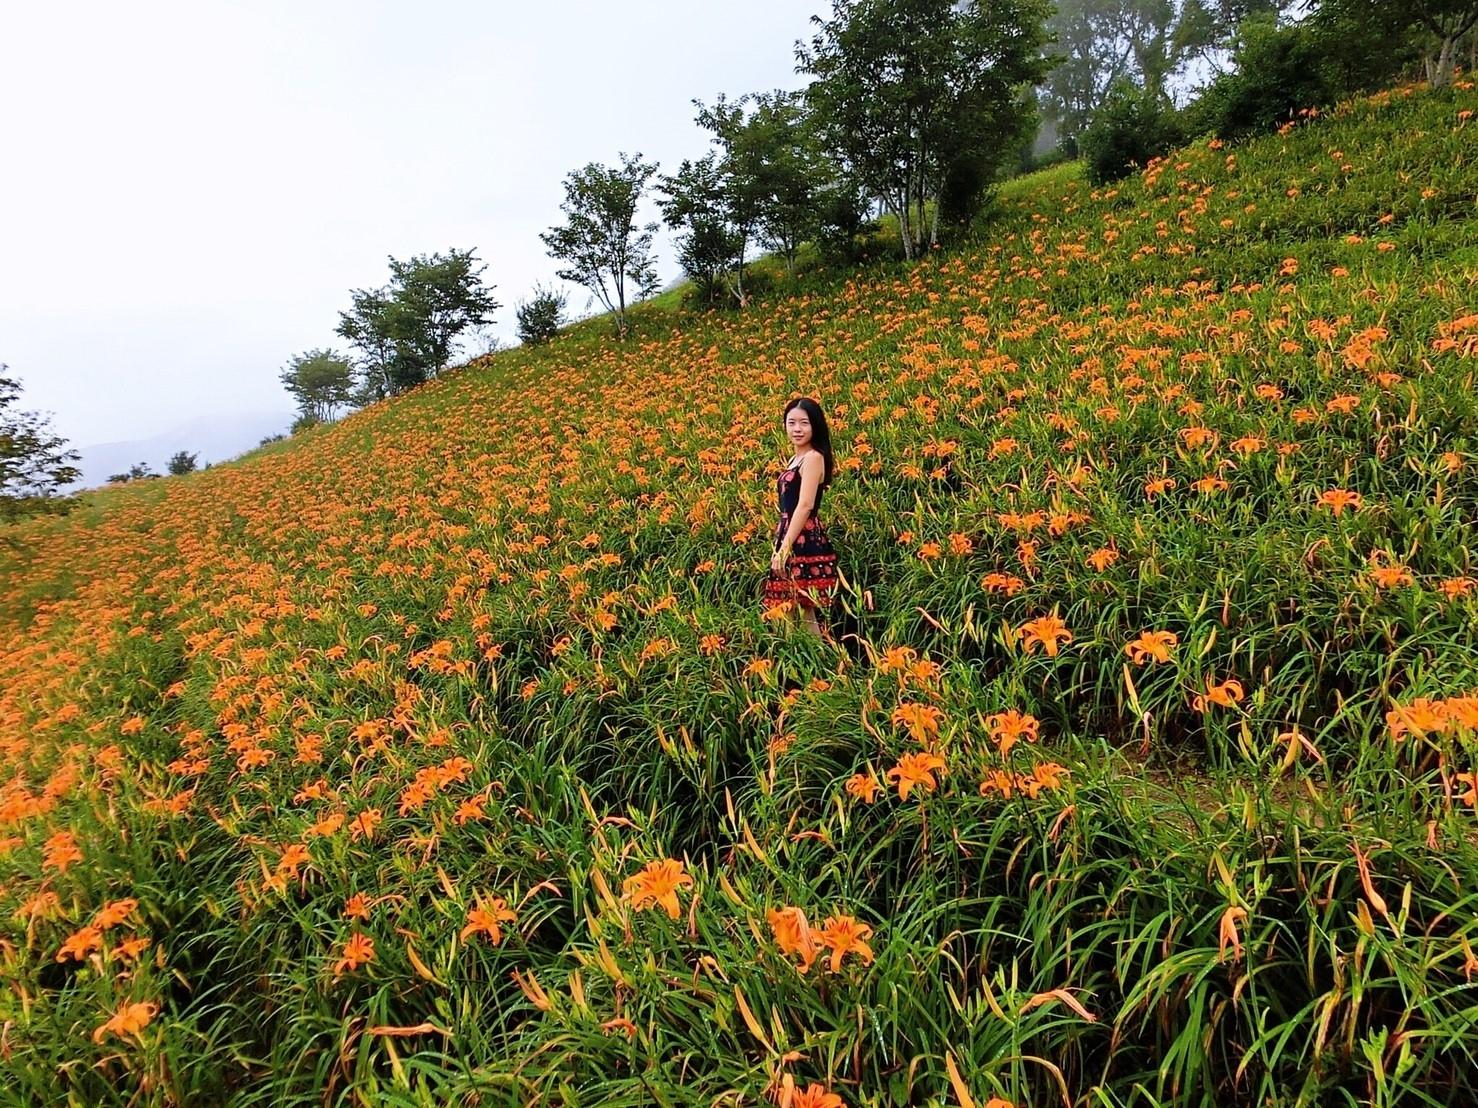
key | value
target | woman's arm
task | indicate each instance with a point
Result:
(813, 465)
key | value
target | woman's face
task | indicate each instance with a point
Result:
(798, 427)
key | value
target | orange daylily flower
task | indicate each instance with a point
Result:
(1226, 693)
(81, 943)
(657, 884)
(1337, 500)
(357, 907)
(845, 935)
(130, 1019)
(1421, 717)
(922, 720)
(1470, 797)
(1002, 583)
(1391, 577)
(864, 786)
(793, 935)
(915, 769)
(488, 919)
(114, 913)
(998, 781)
(358, 951)
(1011, 725)
(1152, 646)
(1046, 631)
(814, 1095)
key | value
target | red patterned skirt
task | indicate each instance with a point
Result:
(810, 577)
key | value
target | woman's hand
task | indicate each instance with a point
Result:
(778, 560)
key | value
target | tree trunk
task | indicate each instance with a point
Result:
(934, 221)
(901, 211)
(739, 278)
(620, 279)
(917, 188)
(1443, 76)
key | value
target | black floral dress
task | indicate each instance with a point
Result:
(810, 576)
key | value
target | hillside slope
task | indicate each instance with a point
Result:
(443, 753)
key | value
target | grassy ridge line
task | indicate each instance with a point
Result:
(432, 581)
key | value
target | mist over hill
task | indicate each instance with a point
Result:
(212, 438)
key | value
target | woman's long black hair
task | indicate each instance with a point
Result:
(820, 433)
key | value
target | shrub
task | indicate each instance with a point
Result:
(1132, 127)
(1279, 70)
(844, 227)
(540, 316)
(183, 462)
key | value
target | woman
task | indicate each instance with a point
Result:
(803, 566)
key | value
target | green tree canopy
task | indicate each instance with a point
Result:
(1440, 25)
(910, 92)
(407, 331)
(600, 244)
(775, 167)
(321, 381)
(34, 462)
(713, 217)
(1100, 44)
(182, 462)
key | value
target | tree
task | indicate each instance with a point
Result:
(34, 463)
(1441, 23)
(406, 331)
(601, 246)
(540, 316)
(366, 326)
(911, 91)
(321, 381)
(139, 471)
(709, 210)
(182, 463)
(778, 176)
(1092, 57)
(433, 299)
(1100, 44)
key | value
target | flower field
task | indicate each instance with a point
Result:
(442, 755)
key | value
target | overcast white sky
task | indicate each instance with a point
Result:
(190, 189)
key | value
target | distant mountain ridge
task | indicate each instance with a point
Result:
(211, 438)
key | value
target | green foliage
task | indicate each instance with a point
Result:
(366, 326)
(784, 185)
(540, 316)
(407, 331)
(702, 202)
(921, 98)
(321, 381)
(1102, 43)
(600, 244)
(1436, 28)
(1280, 71)
(1133, 127)
(182, 462)
(34, 461)
(139, 471)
